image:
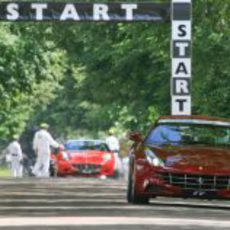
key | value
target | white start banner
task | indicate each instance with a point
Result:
(181, 71)
(73, 11)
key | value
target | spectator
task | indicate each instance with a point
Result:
(41, 145)
(114, 146)
(15, 157)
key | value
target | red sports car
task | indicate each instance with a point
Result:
(181, 156)
(85, 158)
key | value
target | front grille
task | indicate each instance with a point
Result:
(88, 168)
(194, 181)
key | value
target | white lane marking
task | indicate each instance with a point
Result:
(96, 186)
(55, 194)
(60, 200)
(66, 181)
(110, 221)
(78, 208)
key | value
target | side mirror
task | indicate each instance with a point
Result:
(135, 136)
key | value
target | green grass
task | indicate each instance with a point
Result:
(4, 171)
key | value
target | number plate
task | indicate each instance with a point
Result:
(86, 171)
(200, 193)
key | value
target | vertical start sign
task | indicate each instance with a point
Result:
(181, 57)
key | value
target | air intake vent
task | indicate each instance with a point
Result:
(194, 181)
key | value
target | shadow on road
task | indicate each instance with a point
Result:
(196, 203)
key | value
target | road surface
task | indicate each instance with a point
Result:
(85, 204)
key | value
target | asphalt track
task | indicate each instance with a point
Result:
(95, 204)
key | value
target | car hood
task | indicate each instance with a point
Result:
(194, 157)
(87, 157)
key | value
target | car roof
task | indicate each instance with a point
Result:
(195, 119)
(86, 140)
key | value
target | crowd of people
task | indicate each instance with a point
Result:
(42, 143)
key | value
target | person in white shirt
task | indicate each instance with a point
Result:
(41, 144)
(114, 146)
(15, 155)
(113, 143)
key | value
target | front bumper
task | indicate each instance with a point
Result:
(81, 169)
(152, 189)
(157, 182)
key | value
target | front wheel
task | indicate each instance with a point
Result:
(132, 196)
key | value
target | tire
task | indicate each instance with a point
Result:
(53, 170)
(132, 196)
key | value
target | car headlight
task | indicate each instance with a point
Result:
(65, 156)
(153, 159)
(107, 157)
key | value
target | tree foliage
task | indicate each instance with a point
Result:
(85, 78)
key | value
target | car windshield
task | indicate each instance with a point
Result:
(189, 134)
(86, 145)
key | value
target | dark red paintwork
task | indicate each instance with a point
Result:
(196, 164)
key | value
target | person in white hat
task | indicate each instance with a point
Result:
(15, 154)
(41, 144)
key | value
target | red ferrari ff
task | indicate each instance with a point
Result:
(181, 156)
(86, 158)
